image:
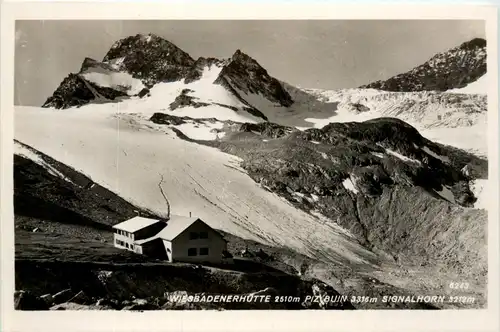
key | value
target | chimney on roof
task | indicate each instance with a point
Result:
(189, 214)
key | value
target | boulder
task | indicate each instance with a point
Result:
(143, 92)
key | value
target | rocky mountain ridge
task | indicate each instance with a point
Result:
(448, 70)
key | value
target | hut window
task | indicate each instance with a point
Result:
(203, 235)
(193, 236)
(192, 252)
(203, 251)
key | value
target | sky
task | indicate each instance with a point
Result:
(326, 54)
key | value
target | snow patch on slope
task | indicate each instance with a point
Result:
(203, 90)
(480, 86)
(116, 63)
(479, 188)
(472, 139)
(350, 185)
(119, 81)
(206, 91)
(435, 155)
(25, 152)
(377, 154)
(399, 155)
(201, 130)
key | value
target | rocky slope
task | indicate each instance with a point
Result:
(47, 190)
(380, 180)
(452, 69)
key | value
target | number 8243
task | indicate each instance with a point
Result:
(459, 285)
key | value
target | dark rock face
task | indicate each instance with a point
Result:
(72, 92)
(184, 100)
(267, 129)
(76, 91)
(452, 69)
(247, 75)
(88, 63)
(143, 92)
(151, 58)
(161, 118)
(26, 301)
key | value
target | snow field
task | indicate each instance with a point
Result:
(127, 154)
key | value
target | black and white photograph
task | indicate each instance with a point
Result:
(232, 165)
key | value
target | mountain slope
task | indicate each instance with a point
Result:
(348, 178)
(254, 202)
(452, 69)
